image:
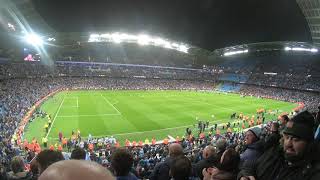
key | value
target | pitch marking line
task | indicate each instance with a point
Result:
(111, 104)
(77, 102)
(54, 119)
(91, 115)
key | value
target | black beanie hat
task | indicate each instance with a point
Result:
(302, 125)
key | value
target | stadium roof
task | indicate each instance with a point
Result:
(267, 47)
(311, 10)
(209, 24)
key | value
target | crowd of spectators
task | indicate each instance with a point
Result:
(276, 149)
(65, 68)
(261, 152)
(310, 99)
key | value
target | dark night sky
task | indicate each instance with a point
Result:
(208, 24)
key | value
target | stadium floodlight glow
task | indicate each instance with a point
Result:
(287, 49)
(94, 38)
(183, 48)
(141, 39)
(235, 52)
(299, 49)
(116, 37)
(51, 39)
(144, 39)
(33, 39)
(11, 26)
(313, 50)
(159, 41)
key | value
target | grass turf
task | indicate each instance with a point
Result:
(137, 115)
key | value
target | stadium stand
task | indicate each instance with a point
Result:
(17, 98)
(229, 87)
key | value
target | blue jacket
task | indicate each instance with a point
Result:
(252, 152)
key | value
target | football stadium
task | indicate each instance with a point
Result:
(160, 90)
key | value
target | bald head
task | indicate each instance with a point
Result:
(76, 169)
(175, 150)
(208, 151)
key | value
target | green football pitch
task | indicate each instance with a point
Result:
(137, 115)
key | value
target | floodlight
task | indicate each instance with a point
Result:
(235, 52)
(314, 50)
(183, 48)
(144, 39)
(168, 45)
(159, 41)
(34, 39)
(116, 37)
(299, 49)
(51, 39)
(287, 49)
(175, 45)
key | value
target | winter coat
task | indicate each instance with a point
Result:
(272, 165)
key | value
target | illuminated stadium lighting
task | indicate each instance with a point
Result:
(94, 38)
(51, 39)
(144, 39)
(116, 37)
(287, 49)
(183, 48)
(34, 39)
(11, 26)
(235, 52)
(141, 39)
(313, 50)
(159, 41)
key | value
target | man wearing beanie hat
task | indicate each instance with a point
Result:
(297, 159)
(253, 147)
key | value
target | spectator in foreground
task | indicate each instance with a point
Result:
(18, 172)
(253, 147)
(209, 160)
(78, 153)
(161, 170)
(180, 168)
(274, 137)
(227, 169)
(121, 162)
(47, 157)
(298, 159)
(76, 169)
(221, 146)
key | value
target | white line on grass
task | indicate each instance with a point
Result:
(91, 115)
(55, 117)
(110, 104)
(77, 102)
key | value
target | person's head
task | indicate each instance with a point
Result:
(208, 151)
(252, 135)
(229, 160)
(17, 164)
(221, 145)
(34, 167)
(284, 119)
(275, 127)
(78, 153)
(47, 157)
(298, 134)
(180, 168)
(76, 169)
(121, 162)
(175, 150)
